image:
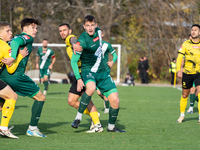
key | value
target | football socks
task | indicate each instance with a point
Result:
(95, 117)
(46, 85)
(113, 113)
(192, 99)
(85, 100)
(183, 104)
(36, 112)
(7, 111)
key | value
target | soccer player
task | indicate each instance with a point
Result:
(73, 96)
(191, 70)
(106, 49)
(94, 73)
(7, 105)
(21, 83)
(47, 60)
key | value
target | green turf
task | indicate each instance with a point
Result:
(148, 114)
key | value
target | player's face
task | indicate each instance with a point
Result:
(6, 33)
(195, 32)
(90, 27)
(64, 31)
(45, 43)
(31, 29)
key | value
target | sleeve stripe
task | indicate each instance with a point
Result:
(113, 51)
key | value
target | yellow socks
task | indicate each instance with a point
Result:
(86, 111)
(7, 111)
(183, 104)
(95, 117)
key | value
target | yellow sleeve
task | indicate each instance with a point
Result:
(15, 64)
(179, 61)
(69, 46)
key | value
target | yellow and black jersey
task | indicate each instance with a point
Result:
(191, 51)
(69, 49)
(5, 52)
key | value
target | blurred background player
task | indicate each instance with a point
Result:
(21, 83)
(73, 96)
(7, 105)
(47, 60)
(191, 69)
(172, 70)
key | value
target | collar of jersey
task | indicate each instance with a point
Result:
(194, 42)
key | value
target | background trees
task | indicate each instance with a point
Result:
(155, 28)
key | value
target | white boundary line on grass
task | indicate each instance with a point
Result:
(179, 88)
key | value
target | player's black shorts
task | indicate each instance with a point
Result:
(73, 88)
(188, 79)
(2, 85)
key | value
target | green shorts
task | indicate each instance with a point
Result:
(103, 81)
(22, 85)
(45, 72)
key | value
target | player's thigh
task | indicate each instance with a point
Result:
(39, 96)
(89, 81)
(22, 85)
(45, 78)
(105, 83)
(6, 92)
(46, 73)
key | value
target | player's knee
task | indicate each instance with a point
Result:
(185, 95)
(70, 102)
(13, 96)
(90, 90)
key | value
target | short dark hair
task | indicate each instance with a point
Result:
(3, 24)
(44, 40)
(173, 59)
(195, 25)
(89, 18)
(65, 24)
(28, 21)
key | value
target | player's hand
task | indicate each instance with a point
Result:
(37, 66)
(24, 52)
(147, 71)
(77, 48)
(138, 71)
(110, 63)
(80, 85)
(50, 67)
(180, 74)
(8, 61)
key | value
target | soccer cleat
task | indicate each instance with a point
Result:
(199, 121)
(45, 92)
(76, 123)
(180, 119)
(189, 111)
(35, 133)
(7, 133)
(106, 110)
(96, 128)
(116, 130)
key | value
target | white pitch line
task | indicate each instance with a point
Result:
(179, 88)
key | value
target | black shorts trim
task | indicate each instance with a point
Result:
(2, 84)
(73, 88)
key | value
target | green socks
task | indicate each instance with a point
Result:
(192, 99)
(36, 112)
(113, 113)
(46, 85)
(85, 100)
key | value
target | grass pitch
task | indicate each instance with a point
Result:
(148, 114)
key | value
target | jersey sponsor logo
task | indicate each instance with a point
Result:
(78, 43)
(195, 46)
(10, 51)
(26, 37)
(93, 45)
(44, 51)
(96, 39)
(98, 52)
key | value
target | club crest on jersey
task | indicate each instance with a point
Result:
(180, 48)
(195, 46)
(26, 37)
(96, 39)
